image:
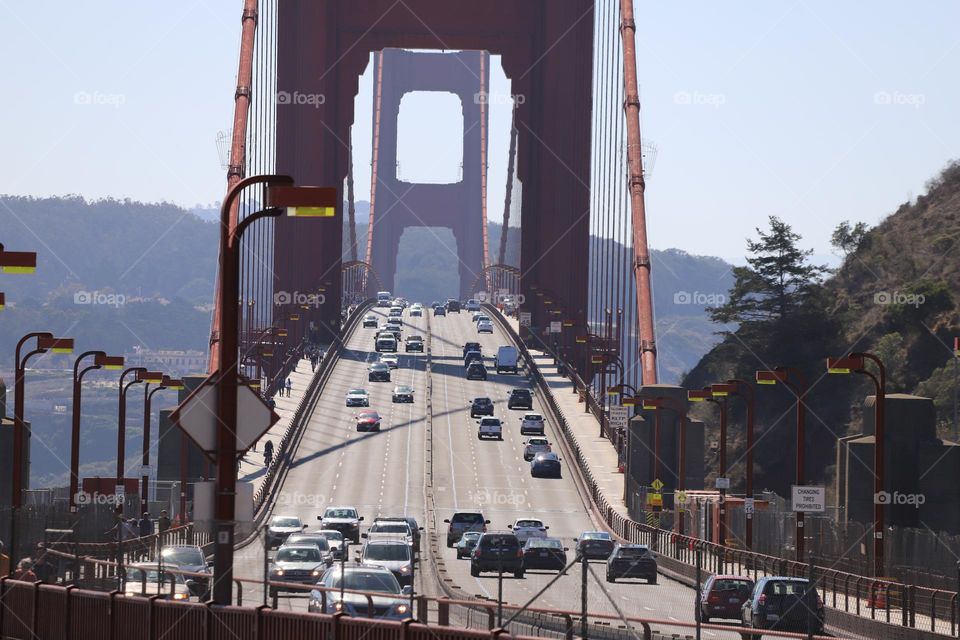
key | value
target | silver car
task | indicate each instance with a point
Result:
(296, 563)
(388, 601)
(395, 555)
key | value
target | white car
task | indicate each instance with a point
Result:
(489, 428)
(390, 359)
(358, 398)
(484, 326)
(396, 312)
(533, 446)
(531, 424)
(416, 310)
(525, 528)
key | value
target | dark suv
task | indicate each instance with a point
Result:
(497, 552)
(481, 407)
(520, 399)
(471, 346)
(632, 561)
(464, 521)
(472, 356)
(476, 371)
(776, 602)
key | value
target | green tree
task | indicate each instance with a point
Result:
(848, 238)
(777, 281)
(891, 351)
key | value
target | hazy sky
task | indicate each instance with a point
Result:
(815, 111)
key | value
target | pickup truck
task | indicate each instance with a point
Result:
(489, 428)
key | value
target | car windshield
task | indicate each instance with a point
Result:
(596, 535)
(378, 366)
(491, 542)
(390, 528)
(633, 552)
(482, 401)
(538, 441)
(404, 389)
(356, 392)
(183, 556)
(340, 513)
(535, 417)
(151, 575)
(360, 580)
(544, 543)
(319, 541)
(521, 392)
(490, 421)
(285, 521)
(529, 523)
(298, 554)
(471, 536)
(468, 518)
(329, 534)
(369, 416)
(387, 552)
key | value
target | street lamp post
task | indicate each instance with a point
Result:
(707, 395)
(137, 372)
(856, 363)
(282, 198)
(735, 387)
(799, 390)
(100, 361)
(165, 383)
(45, 342)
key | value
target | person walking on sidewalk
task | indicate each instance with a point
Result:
(268, 453)
(164, 522)
(289, 386)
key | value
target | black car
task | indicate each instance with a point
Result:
(632, 561)
(520, 399)
(472, 356)
(471, 346)
(497, 552)
(379, 372)
(439, 311)
(544, 553)
(414, 343)
(777, 602)
(481, 407)
(545, 464)
(453, 306)
(595, 545)
(476, 371)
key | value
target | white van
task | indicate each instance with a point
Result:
(506, 359)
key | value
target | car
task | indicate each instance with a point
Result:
(525, 528)
(416, 311)
(472, 305)
(386, 342)
(318, 540)
(439, 311)
(477, 314)
(466, 543)
(384, 298)
(144, 579)
(389, 529)
(414, 343)
(367, 421)
(476, 371)
(346, 520)
(190, 558)
(280, 527)
(489, 427)
(472, 356)
(507, 359)
(723, 596)
(632, 561)
(595, 545)
(370, 320)
(471, 346)
(532, 424)
(533, 446)
(396, 312)
(777, 603)
(463, 521)
(484, 326)
(393, 604)
(395, 326)
(296, 563)
(481, 317)
(358, 398)
(544, 553)
(545, 465)
(379, 372)
(402, 393)
(391, 360)
(453, 306)
(481, 407)
(334, 539)
(498, 552)
(520, 399)
(394, 555)
(415, 528)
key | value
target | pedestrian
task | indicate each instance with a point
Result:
(24, 571)
(268, 453)
(289, 386)
(313, 363)
(164, 522)
(145, 525)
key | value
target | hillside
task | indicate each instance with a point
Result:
(891, 296)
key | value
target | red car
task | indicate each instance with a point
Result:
(368, 421)
(723, 597)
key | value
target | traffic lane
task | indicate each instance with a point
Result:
(556, 502)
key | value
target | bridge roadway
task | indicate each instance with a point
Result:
(383, 474)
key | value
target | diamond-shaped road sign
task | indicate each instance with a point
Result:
(196, 416)
(657, 484)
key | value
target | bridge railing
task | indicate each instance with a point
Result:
(911, 606)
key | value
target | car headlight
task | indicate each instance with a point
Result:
(179, 596)
(315, 573)
(401, 608)
(279, 572)
(131, 593)
(338, 606)
(404, 569)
